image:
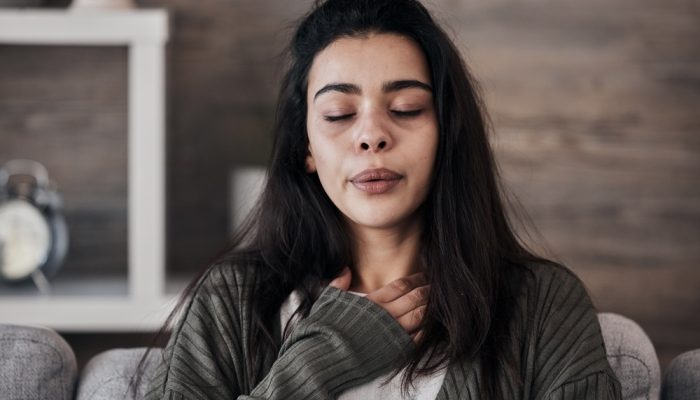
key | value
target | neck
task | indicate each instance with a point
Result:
(384, 255)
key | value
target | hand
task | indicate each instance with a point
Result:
(405, 299)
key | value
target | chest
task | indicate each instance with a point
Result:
(382, 387)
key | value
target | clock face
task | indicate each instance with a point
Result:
(25, 239)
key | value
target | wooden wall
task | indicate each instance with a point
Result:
(594, 106)
(66, 108)
(595, 109)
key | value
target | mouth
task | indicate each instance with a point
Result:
(376, 181)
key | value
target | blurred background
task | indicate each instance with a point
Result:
(595, 117)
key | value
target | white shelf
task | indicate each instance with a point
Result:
(94, 304)
(79, 314)
(84, 27)
(104, 285)
(145, 301)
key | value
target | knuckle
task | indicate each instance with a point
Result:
(418, 295)
(415, 296)
(418, 315)
(424, 291)
(401, 284)
(415, 319)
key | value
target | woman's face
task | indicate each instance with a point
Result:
(372, 128)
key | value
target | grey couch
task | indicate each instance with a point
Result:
(36, 363)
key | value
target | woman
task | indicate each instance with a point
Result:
(383, 183)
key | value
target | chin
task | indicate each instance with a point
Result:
(379, 221)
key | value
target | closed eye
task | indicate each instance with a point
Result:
(334, 118)
(407, 114)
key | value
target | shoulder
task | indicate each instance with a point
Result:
(550, 272)
(566, 339)
(555, 284)
(225, 289)
(558, 302)
(554, 302)
(207, 330)
(210, 329)
(227, 277)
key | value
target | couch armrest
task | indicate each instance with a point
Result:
(108, 375)
(631, 356)
(36, 363)
(682, 379)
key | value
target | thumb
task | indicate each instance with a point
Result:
(342, 282)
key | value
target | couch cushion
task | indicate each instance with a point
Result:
(631, 356)
(629, 350)
(682, 379)
(108, 375)
(36, 363)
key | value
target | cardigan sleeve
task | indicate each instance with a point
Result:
(346, 340)
(571, 362)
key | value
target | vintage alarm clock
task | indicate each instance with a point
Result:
(33, 232)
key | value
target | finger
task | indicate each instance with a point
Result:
(342, 282)
(417, 336)
(411, 321)
(408, 302)
(397, 288)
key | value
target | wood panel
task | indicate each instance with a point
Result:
(66, 108)
(596, 130)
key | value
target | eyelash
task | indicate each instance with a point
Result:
(334, 118)
(407, 114)
(400, 114)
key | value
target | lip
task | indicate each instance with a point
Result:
(376, 181)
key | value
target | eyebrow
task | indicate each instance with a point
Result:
(387, 87)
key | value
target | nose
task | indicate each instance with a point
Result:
(366, 146)
(373, 135)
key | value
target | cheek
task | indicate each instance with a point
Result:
(326, 149)
(327, 160)
(424, 146)
(425, 155)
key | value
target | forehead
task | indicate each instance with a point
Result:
(369, 60)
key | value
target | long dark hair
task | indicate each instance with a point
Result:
(296, 236)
